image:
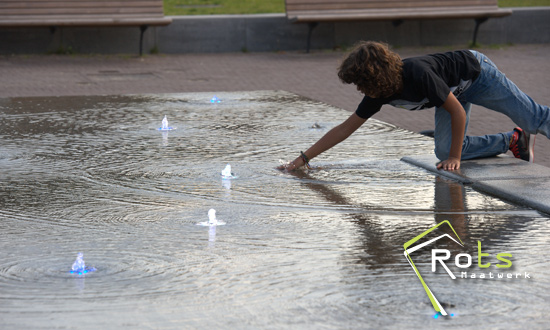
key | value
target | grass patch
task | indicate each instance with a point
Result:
(228, 7)
(523, 3)
(222, 7)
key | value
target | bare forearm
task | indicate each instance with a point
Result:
(329, 140)
(458, 122)
(458, 126)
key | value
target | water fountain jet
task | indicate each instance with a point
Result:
(165, 126)
(79, 266)
(212, 220)
(226, 173)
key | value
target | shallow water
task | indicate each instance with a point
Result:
(319, 249)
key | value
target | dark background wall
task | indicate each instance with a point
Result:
(274, 32)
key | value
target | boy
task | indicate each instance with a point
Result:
(451, 82)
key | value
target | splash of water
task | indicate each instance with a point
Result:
(79, 266)
(165, 126)
(212, 220)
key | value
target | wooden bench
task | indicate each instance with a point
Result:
(315, 11)
(85, 13)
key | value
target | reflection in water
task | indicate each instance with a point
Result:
(450, 204)
(211, 236)
(164, 139)
(317, 249)
(226, 183)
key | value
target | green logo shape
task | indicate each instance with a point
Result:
(435, 303)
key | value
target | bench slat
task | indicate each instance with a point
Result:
(393, 14)
(81, 13)
(74, 17)
(315, 11)
(42, 7)
(434, 3)
(386, 4)
(52, 13)
(76, 11)
(25, 5)
(70, 3)
(60, 21)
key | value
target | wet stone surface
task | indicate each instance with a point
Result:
(312, 249)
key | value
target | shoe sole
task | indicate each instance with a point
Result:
(532, 148)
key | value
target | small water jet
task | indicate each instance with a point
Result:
(212, 220)
(79, 266)
(316, 126)
(165, 126)
(227, 174)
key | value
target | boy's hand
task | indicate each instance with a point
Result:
(290, 166)
(450, 164)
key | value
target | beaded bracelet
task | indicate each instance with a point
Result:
(305, 159)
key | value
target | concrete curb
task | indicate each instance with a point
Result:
(274, 32)
(508, 178)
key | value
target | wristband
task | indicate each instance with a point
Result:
(305, 159)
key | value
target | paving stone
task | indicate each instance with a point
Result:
(508, 178)
(534, 193)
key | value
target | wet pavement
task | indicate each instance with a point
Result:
(509, 178)
(311, 75)
(322, 248)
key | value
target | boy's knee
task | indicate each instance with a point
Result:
(441, 154)
(442, 145)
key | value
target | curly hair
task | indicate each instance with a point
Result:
(374, 68)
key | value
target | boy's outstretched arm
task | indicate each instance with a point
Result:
(329, 140)
(458, 124)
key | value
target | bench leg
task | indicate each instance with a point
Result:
(311, 26)
(60, 49)
(397, 22)
(142, 29)
(479, 21)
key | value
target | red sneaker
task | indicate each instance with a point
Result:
(522, 145)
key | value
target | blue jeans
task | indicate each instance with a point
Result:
(494, 91)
